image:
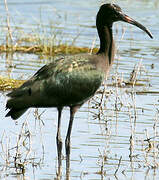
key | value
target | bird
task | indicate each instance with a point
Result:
(73, 79)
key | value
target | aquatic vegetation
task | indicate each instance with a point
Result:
(46, 50)
(8, 84)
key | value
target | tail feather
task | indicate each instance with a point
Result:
(16, 104)
(19, 100)
(15, 113)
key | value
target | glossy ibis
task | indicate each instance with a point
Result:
(72, 80)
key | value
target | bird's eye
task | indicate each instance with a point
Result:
(116, 14)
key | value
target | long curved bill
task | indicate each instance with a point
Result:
(125, 18)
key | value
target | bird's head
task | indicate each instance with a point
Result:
(109, 13)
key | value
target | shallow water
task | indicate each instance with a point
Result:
(100, 137)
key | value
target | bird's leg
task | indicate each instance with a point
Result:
(67, 140)
(59, 142)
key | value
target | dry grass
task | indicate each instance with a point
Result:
(8, 84)
(46, 50)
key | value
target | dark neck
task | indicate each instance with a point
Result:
(106, 41)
